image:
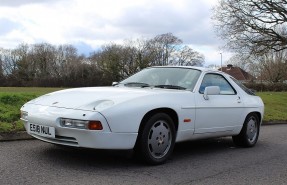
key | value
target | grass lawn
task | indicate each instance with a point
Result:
(28, 90)
(12, 98)
(275, 105)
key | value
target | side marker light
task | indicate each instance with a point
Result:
(187, 120)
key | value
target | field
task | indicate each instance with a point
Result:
(275, 105)
(12, 98)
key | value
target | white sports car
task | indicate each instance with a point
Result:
(149, 112)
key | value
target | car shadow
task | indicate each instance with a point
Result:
(78, 157)
(195, 150)
(199, 147)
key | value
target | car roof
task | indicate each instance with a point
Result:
(190, 67)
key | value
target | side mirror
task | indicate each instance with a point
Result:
(115, 83)
(211, 90)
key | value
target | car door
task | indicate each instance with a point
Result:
(218, 113)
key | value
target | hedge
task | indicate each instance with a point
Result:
(263, 87)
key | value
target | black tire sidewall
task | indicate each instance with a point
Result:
(242, 138)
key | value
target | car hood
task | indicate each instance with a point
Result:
(92, 98)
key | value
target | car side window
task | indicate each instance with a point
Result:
(216, 80)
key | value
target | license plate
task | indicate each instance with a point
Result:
(42, 130)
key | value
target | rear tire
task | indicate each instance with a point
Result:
(249, 133)
(157, 139)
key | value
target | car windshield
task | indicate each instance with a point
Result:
(164, 77)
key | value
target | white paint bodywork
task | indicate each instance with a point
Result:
(122, 109)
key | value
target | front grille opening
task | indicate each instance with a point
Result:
(66, 139)
(71, 141)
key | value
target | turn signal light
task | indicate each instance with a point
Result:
(95, 125)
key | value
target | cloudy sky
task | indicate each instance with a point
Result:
(88, 24)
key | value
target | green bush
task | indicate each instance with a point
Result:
(264, 87)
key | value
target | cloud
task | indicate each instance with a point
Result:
(182, 18)
(97, 22)
(17, 3)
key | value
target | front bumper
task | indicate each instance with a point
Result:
(91, 139)
(97, 139)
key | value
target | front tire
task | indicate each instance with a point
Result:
(249, 133)
(157, 139)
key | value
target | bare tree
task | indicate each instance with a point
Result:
(240, 60)
(162, 47)
(26, 69)
(67, 61)
(186, 56)
(252, 26)
(143, 53)
(273, 66)
(9, 60)
(1, 61)
(109, 60)
(2, 77)
(44, 64)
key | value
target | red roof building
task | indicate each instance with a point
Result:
(237, 73)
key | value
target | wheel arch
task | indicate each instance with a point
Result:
(258, 114)
(170, 112)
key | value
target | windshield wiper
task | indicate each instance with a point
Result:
(170, 87)
(136, 84)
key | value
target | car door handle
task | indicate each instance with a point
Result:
(238, 99)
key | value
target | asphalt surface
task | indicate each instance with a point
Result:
(213, 161)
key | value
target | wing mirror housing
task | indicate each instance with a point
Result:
(115, 83)
(211, 90)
